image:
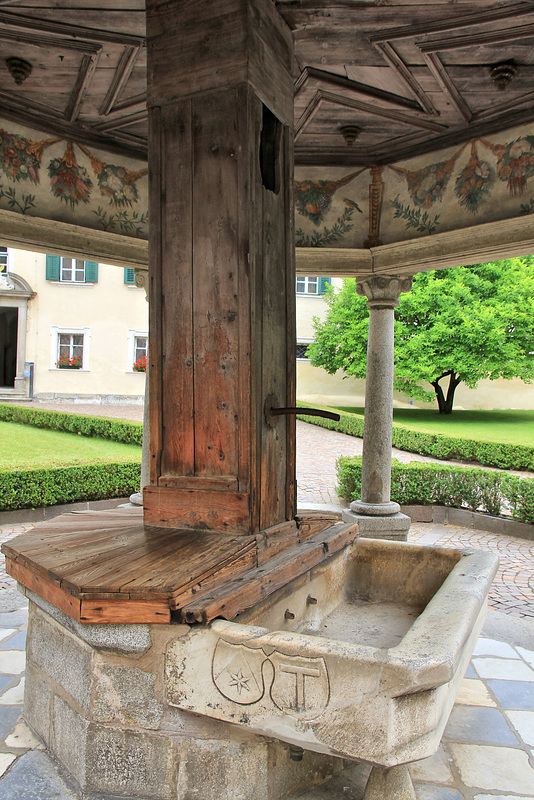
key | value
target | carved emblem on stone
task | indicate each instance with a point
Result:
(297, 686)
(237, 672)
(301, 686)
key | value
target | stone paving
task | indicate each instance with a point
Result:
(487, 752)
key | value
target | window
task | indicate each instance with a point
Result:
(3, 260)
(137, 351)
(312, 284)
(71, 270)
(69, 348)
(129, 275)
(302, 351)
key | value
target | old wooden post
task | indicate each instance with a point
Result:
(222, 268)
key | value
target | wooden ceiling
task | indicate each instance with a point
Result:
(410, 77)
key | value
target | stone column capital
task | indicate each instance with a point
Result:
(383, 291)
(141, 279)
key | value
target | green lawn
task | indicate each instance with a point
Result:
(23, 446)
(515, 427)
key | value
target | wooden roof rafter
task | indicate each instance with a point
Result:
(57, 39)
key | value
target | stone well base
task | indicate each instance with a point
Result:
(95, 695)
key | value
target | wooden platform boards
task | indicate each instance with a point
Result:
(108, 567)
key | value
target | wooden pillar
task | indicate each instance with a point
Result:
(222, 283)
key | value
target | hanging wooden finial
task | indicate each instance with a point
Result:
(18, 69)
(350, 133)
(502, 74)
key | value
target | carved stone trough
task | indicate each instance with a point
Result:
(360, 658)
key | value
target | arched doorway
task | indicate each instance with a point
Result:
(15, 293)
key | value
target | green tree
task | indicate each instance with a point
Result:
(464, 324)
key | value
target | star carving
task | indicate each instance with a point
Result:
(239, 681)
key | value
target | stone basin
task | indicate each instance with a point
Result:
(360, 658)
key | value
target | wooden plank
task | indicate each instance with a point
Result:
(60, 599)
(235, 597)
(109, 571)
(176, 580)
(287, 168)
(116, 612)
(229, 483)
(173, 315)
(234, 568)
(155, 257)
(311, 522)
(248, 123)
(216, 284)
(185, 508)
(180, 560)
(276, 540)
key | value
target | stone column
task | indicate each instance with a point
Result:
(377, 514)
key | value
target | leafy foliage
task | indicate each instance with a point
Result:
(423, 483)
(26, 202)
(467, 323)
(34, 488)
(328, 235)
(133, 223)
(415, 218)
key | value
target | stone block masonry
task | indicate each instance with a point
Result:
(104, 716)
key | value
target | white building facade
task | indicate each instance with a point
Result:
(70, 329)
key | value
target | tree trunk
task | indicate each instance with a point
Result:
(445, 403)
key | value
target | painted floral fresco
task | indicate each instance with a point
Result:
(480, 181)
(68, 180)
(313, 200)
(483, 180)
(72, 177)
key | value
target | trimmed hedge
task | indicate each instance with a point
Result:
(117, 430)
(34, 488)
(423, 483)
(437, 445)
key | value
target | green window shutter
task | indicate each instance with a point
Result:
(323, 283)
(91, 272)
(52, 268)
(129, 275)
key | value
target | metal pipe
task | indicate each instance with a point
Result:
(310, 412)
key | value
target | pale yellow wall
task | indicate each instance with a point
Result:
(108, 308)
(315, 385)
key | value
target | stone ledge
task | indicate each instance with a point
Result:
(470, 519)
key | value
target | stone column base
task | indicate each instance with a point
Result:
(394, 526)
(95, 695)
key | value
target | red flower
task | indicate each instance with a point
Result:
(140, 364)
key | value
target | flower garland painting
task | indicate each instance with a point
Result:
(17, 159)
(474, 183)
(69, 181)
(115, 182)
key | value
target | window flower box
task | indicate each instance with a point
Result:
(140, 364)
(69, 362)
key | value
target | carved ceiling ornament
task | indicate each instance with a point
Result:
(19, 69)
